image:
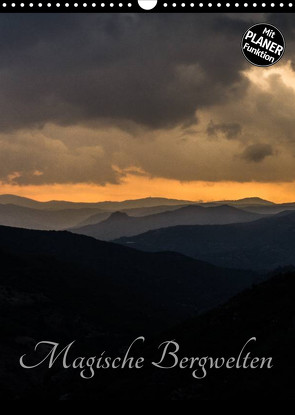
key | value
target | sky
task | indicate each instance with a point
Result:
(119, 106)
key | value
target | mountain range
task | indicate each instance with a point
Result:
(255, 204)
(167, 283)
(52, 216)
(25, 217)
(148, 202)
(109, 206)
(57, 215)
(120, 224)
(58, 219)
(59, 286)
(63, 287)
(262, 245)
(177, 285)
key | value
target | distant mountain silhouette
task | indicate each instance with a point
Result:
(135, 212)
(120, 224)
(255, 205)
(25, 217)
(252, 201)
(270, 209)
(109, 206)
(137, 207)
(246, 201)
(261, 245)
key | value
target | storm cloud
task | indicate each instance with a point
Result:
(151, 69)
(257, 152)
(89, 98)
(230, 130)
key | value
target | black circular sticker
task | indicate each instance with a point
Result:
(263, 44)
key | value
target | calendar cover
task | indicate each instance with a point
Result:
(147, 201)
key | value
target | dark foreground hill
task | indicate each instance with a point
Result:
(266, 312)
(264, 244)
(42, 298)
(60, 287)
(152, 288)
(120, 224)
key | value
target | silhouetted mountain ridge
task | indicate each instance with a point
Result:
(42, 297)
(107, 205)
(246, 201)
(177, 279)
(30, 218)
(120, 224)
(263, 244)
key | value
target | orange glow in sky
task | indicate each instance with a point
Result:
(135, 187)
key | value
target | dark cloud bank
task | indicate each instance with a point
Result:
(142, 74)
(154, 70)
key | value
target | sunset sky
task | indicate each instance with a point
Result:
(119, 106)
